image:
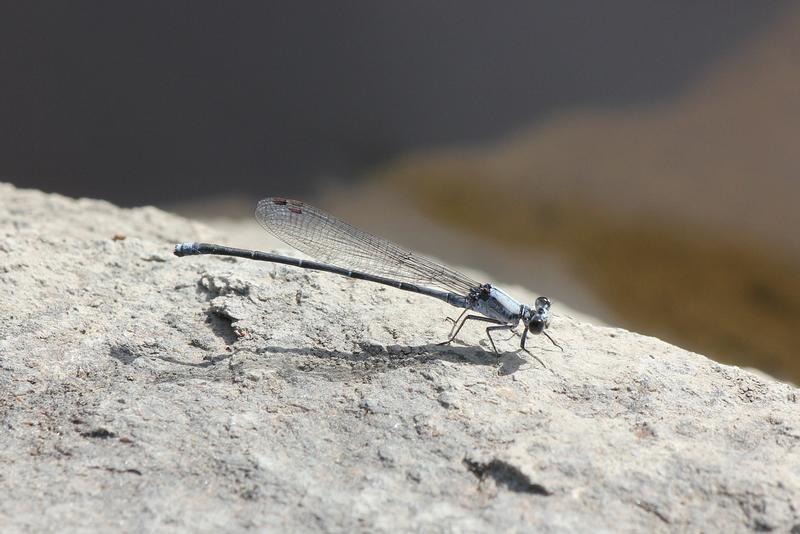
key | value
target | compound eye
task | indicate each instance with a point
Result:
(536, 326)
(542, 302)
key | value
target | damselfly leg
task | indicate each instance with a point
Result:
(455, 321)
(500, 324)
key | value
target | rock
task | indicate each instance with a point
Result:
(141, 391)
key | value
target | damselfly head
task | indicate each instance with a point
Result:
(538, 317)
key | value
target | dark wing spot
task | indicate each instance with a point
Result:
(279, 201)
(295, 210)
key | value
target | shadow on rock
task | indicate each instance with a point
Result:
(402, 355)
(127, 354)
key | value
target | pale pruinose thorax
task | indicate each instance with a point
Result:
(499, 305)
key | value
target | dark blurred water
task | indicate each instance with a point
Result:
(155, 102)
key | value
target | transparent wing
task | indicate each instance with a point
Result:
(328, 239)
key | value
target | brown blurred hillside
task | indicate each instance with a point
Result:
(680, 215)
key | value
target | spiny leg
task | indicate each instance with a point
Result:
(513, 330)
(553, 341)
(522, 346)
(467, 318)
(455, 321)
(498, 327)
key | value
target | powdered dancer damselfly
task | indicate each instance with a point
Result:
(354, 253)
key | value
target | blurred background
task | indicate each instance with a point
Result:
(633, 159)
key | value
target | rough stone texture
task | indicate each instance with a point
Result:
(143, 391)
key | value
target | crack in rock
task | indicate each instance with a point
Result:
(221, 324)
(505, 474)
(100, 433)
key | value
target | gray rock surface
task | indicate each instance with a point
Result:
(143, 391)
